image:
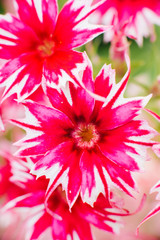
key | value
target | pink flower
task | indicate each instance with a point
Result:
(140, 15)
(84, 144)
(54, 214)
(39, 42)
(64, 223)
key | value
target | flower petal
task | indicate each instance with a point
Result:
(40, 226)
(21, 76)
(110, 118)
(93, 180)
(16, 38)
(60, 102)
(81, 98)
(40, 16)
(40, 123)
(73, 29)
(61, 166)
(62, 67)
(123, 145)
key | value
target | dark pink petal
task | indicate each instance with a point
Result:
(112, 93)
(81, 98)
(63, 163)
(62, 67)
(4, 178)
(45, 122)
(59, 230)
(21, 76)
(70, 227)
(119, 147)
(50, 11)
(27, 200)
(60, 102)
(40, 16)
(74, 180)
(73, 29)
(41, 225)
(80, 225)
(48, 117)
(110, 118)
(102, 221)
(116, 94)
(105, 81)
(15, 37)
(121, 177)
(93, 179)
(103, 84)
(28, 14)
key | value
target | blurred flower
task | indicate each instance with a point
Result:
(140, 15)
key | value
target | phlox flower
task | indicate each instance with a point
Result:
(84, 144)
(55, 214)
(140, 15)
(38, 43)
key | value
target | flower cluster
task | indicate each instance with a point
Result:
(83, 139)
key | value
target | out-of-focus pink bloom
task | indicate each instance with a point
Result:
(140, 15)
(55, 214)
(85, 144)
(38, 44)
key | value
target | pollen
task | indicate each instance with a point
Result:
(85, 135)
(46, 48)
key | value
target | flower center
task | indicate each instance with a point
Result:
(46, 49)
(86, 135)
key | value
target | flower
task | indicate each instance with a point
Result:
(55, 214)
(140, 15)
(38, 44)
(85, 144)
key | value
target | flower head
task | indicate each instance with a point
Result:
(39, 42)
(140, 15)
(85, 144)
(55, 214)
